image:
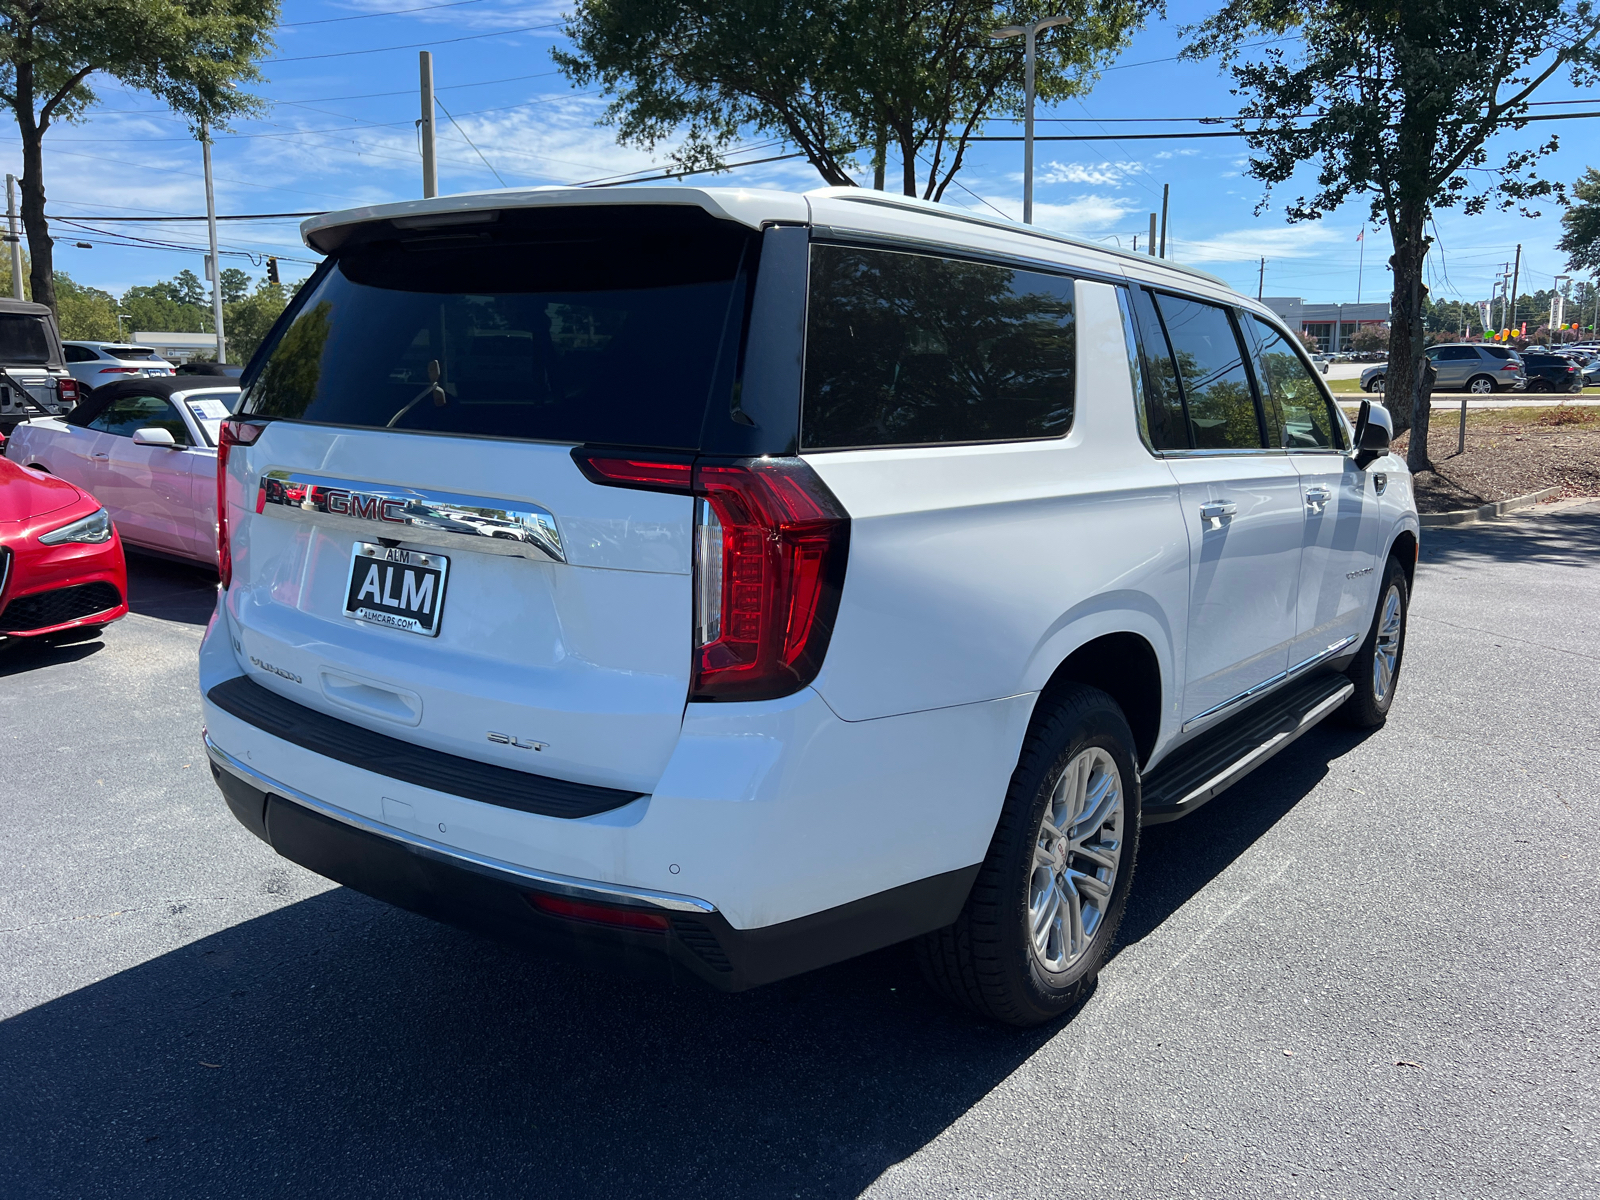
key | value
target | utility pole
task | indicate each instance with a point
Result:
(1029, 34)
(1361, 262)
(211, 228)
(1515, 271)
(430, 165)
(1165, 189)
(1261, 279)
(1500, 281)
(1152, 235)
(16, 238)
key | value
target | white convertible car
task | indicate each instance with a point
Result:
(146, 449)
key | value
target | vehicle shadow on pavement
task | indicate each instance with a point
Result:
(1566, 538)
(170, 591)
(24, 654)
(338, 1046)
(1178, 859)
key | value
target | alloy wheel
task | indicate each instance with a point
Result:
(1387, 651)
(1077, 853)
(1481, 387)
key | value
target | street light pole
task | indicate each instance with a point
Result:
(1029, 34)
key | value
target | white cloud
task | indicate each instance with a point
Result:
(1247, 245)
(1103, 174)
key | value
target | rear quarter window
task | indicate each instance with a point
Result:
(914, 349)
(23, 340)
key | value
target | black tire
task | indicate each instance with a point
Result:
(1368, 708)
(1472, 385)
(1376, 384)
(987, 960)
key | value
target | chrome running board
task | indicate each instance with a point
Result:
(1217, 760)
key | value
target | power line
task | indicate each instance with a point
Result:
(472, 37)
(393, 12)
(469, 141)
(1210, 133)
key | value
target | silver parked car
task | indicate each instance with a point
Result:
(1464, 367)
(95, 363)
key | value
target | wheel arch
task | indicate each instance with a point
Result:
(1122, 644)
(1405, 548)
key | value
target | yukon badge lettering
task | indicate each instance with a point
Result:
(278, 671)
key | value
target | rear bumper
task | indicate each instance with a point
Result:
(670, 934)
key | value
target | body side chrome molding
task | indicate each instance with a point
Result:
(1322, 655)
(566, 884)
(449, 520)
(1266, 685)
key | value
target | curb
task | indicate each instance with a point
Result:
(1487, 512)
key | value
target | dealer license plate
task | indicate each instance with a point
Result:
(403, 589)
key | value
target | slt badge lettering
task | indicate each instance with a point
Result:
(400, 589)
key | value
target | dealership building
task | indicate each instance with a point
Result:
(1332, 325)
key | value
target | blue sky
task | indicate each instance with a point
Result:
(341, 132)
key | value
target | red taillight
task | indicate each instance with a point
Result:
(68, 390)
(770, 550)
(600, 914)
(235, 432)
(1511, 366)
(119, 370)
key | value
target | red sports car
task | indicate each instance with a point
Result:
(61, 567)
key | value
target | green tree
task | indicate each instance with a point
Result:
(187, 53)
(833, 76)
(248, 319)
(158, 307)
(1394, 103)
(84, 313)
(1369, 337)
(1580, 239)
(186, 289)
(235, 286)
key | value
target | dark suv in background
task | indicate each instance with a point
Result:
(1552, 372)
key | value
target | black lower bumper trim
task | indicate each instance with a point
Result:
(702, 945)
(332, 738)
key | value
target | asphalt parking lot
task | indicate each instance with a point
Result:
(1371, 969)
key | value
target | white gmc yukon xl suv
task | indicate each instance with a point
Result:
(732, 582)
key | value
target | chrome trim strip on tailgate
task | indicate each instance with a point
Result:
(515, 528)
(565, 884)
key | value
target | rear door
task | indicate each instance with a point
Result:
(1241, 503)
(1340, 547)
(414, 548)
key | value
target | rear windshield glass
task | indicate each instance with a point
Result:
(583, 334)
(23, 339)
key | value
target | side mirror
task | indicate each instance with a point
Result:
(154, 437)
(1374, 432)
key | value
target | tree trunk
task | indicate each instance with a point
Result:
(42, 276)
(908, 160)
(1408, 379)
(880, 155)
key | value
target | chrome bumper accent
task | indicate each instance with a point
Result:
(566, 884)
(1266, 685)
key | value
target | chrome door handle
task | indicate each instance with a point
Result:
(101, 457)
(1317, 497)
(1216, 510)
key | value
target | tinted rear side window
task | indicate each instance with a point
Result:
(23, 339)
(580, 335)
(1221, 404)
(912, 349)
(1169, 430)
